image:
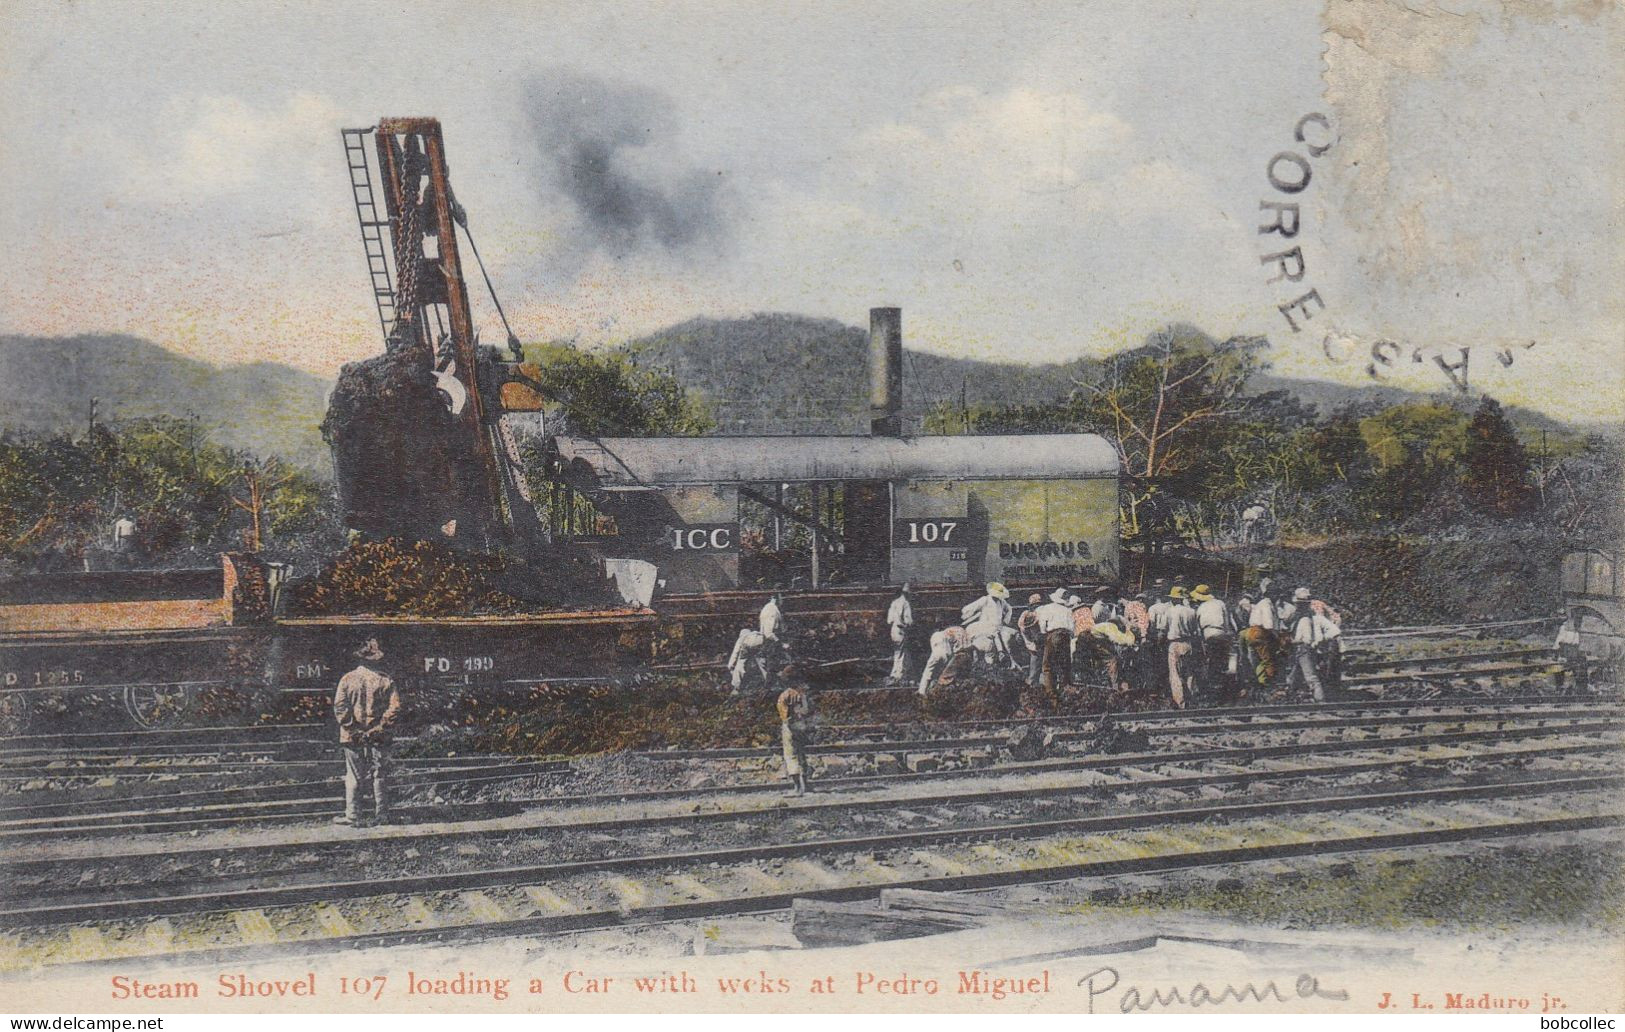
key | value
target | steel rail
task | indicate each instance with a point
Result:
(983, 741)
(1255, 714)
(17, 867)
(292, 790)
(12, 916)
(324, 807)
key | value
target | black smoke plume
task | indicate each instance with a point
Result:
(608, 148)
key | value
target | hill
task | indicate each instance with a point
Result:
(768, 373)
(46, 384)
(781, 373)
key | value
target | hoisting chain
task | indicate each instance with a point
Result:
(408, 234)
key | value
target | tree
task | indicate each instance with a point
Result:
(1495, 465)
(1416, 451)
(605, 394)
(188, 496)
(602, 394)
(1157, 402)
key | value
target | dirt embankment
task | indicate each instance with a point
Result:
(1406, 581)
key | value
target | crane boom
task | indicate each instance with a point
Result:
(411, 246)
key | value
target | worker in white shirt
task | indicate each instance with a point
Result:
(1262, 638)
(1571, 653)
(945, 645)
(900, 618)
(1329, 646)
(1305, 638)
(987, 623)
(1157, 635)
(776, 634)
(1218, 642)
(1184, 634)
(1055, 628)
(1287, 612)
(764, 648)
(1252, 523)
(1103, 609)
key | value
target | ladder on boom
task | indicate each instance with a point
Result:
(372, 227)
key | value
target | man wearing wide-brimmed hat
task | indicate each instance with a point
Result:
(1031, 639)
(1306, 640)
(1055, 628)
(1184, 636)
(366, 707)
(1218, 642)
(987, 624)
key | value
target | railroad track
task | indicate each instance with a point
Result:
(1176, 771)
(308, 799)
(1257, 714)
(665, 885)
(259, 744)
(501, 769)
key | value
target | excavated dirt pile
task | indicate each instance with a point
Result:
(409, 578)
(1394, 581)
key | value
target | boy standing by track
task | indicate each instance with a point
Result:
(795, 717)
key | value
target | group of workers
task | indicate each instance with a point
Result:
(1190, 645)
(1187, 644)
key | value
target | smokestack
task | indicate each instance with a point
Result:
(886, 372)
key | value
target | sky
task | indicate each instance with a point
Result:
(1030, 182)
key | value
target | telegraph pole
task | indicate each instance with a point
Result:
(1543, 468)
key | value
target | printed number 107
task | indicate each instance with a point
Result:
(373, 987)
(931, 532)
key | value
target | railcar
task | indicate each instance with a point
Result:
(1595, 600)
(440, 438)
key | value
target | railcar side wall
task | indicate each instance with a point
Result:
(1016, 531)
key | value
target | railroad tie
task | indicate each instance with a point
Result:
(333, 921)
(417, 912)
(546, 899)
(1353, 824)
(1223, 836)
(1160, 842)
(1443, 816)
(758, 878)
(939, 864)
(86, 942)
(990, 853)
(871, 869)
(1282, 833)
(1491, 811)
(1059, 853)
(1138, 774)
(1110, 847)
(253, 927)
(159, 935)
(631, 894)
(814, 873)
(692, 887)
(483, 907)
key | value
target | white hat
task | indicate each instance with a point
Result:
(1058, 595)
(1301, 595)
